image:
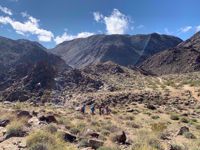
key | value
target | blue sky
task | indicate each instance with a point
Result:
(52, 21)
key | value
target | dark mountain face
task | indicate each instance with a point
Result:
(18, 58)
(182, 59)
(121, 49)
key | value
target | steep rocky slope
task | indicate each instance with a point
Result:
(182, 59)
(19, 57)
(121, 49)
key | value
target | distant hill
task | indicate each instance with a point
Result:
(19, 57)
(121, 49)
(181, 59)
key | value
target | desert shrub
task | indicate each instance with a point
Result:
(194, 120)
(142, 147)
(105, 132)
(39, 146)
(110, 127)
(174, 117)
(51, 128)
(132, 124)
(155, 144)
(129, 117)
(83, 143)
(158, 127)
(184, 120)
(75, 130)
(198, 127)
(18, 106)
(155, 117)
(108, 148)
(15, 129)
(79, 117)
(65, 121)
(95, 123)
(81, 126)
(176, 147)
(42, 140)
(189, 135)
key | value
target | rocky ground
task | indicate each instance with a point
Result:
(147, 113)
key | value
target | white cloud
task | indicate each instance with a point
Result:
(25, 14)
(167, 31)
(97, 16)
(116, 23)
(68, 37)
(30, 26)
(6, 10)
(185, 29)
(197, 28)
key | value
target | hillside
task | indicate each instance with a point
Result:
(121, 49)
(181, 59)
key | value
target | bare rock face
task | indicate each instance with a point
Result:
(183, 58)
(42, 76)
(18, 58)
(75, 80)
(121, 49)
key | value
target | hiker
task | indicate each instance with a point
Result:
(101, 109)
(92, 109)
(83, 108)
(107, 110)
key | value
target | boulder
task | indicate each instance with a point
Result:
(120, 138)
(183, 130)
(150, 106)
(95, 144)
(15, 134)
(91, 133)
(47, 118)
(23, 113)
(68, 137)
(4, 123)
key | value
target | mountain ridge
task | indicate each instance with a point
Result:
(183, 58)
(121, 49)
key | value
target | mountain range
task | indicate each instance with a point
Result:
(121, 49)
(27, 69)
(183, 58)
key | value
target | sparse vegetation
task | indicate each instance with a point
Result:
(174, 117)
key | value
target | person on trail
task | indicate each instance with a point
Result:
(100, 109)
(92, 108)
(107, 110)
(83, 108)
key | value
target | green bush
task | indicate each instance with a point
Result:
(174, 117)
(198, 127)
(158, 127)
(184, 120)
(51, 128)
(43, 140)
(15, 129)
(155, 117)
(189, 135)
